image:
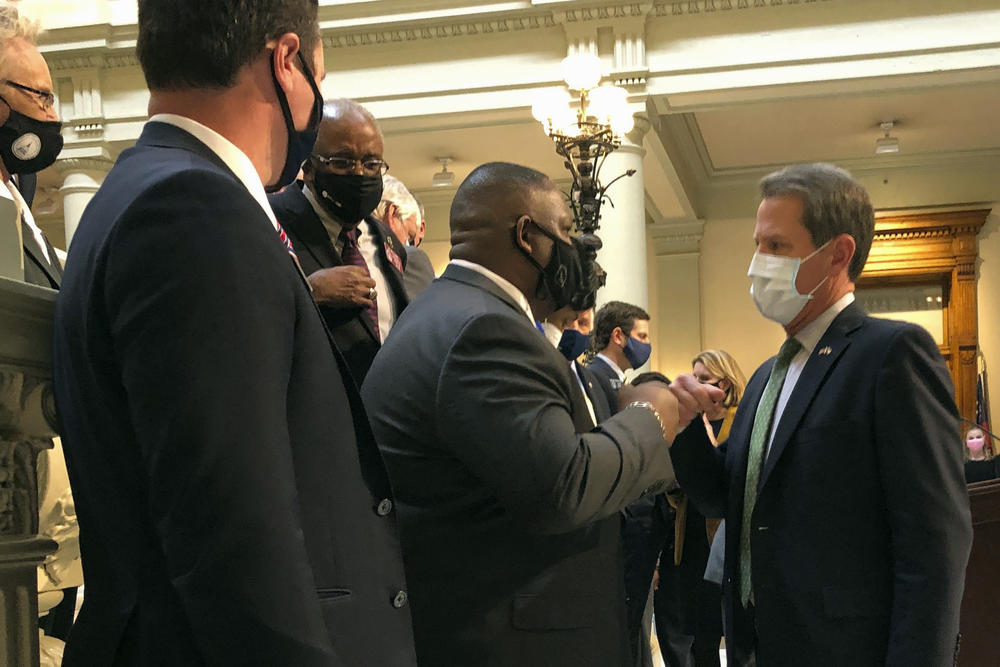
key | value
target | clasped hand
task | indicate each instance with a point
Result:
(342, 287)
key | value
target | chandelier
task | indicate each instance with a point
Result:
(586, 136)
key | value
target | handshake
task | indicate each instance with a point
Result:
(677, 404)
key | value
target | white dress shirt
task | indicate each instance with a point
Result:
(24, 210)
(368, 245)
(500, 282)
(808, 337)
(233, 157)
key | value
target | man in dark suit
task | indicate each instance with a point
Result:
(507, 495)
(848, 524)
(232, 503)
(621, 339)
(354, 262)
(30, 139)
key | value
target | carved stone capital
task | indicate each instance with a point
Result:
(96, 164)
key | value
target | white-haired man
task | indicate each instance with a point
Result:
(403, 213)
(354, 262)
(30, 138)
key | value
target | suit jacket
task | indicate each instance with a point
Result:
(419, 272)
(607, 379)
(598, 399)
(351, 327)
(861, 529)
(233, 506)
(508, 497)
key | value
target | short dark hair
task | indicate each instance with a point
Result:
(833, 203)
(612, 315)
(649, 376)
(204, 43)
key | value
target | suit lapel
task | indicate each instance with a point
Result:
(824, 357)
(35, 254)
(738, 449)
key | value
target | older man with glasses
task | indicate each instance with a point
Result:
(354, 262)
(30, 138)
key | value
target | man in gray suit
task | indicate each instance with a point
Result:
(507, 495)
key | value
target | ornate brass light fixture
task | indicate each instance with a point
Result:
(585, 137)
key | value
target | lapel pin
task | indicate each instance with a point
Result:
(825, 351)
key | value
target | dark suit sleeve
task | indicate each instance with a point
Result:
(506, 402)
(203, 319)
(701, 469)
(928, 509)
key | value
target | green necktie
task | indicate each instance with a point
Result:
(758, 446)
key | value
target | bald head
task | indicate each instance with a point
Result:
(491, 198)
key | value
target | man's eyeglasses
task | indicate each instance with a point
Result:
(345, 165)
(44, 99)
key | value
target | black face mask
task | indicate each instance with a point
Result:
(348, 197)
(28, 145)
(561, 276)
(300, 144)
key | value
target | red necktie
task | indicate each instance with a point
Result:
(352, 255)
(286, 241)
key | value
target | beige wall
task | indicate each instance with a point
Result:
(988, 286)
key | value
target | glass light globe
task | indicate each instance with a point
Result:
(607, 103)
(581, 71)
(550, 105)
(623, 122)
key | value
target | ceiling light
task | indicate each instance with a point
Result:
(887, 144)
(443, 178)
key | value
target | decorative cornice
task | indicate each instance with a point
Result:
(335, 39)
(677, 238)
(678, 8)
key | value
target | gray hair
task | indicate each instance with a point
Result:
(14, 25)
(394, 192)
(343, 107)
(833, 203)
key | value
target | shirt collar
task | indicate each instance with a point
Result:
(500, 282)
(233, 157)
(811, 333)
(614, 366)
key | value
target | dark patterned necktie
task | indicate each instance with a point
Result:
(762, 422)
(352, 255)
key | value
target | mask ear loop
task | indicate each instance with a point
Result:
(541, 289)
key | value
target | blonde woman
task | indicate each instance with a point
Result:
(688, 602)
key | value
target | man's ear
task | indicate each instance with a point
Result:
(843, 251)
(285, 60)
(618, 336)
(520, 239)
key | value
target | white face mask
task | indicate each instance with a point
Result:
(772, 285)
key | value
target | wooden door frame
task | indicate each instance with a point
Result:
(939, 248)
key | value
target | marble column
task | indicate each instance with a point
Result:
(623, 225)
(27, 425)
(676, 312)
(81, 179)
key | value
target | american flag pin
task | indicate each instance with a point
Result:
(825, 351)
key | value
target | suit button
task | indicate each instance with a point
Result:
(384, 507)
(400, 600)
